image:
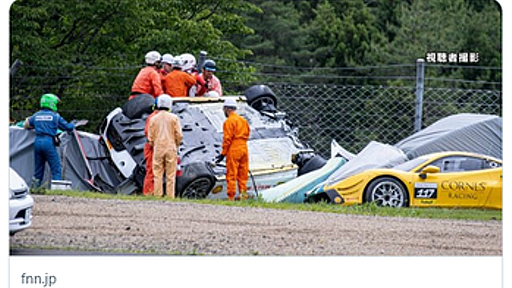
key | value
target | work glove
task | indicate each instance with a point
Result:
(219, 158)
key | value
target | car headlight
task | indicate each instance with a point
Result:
(18, 193)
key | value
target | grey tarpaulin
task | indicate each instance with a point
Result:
(475, 133)
(89, 170)
(374, 155)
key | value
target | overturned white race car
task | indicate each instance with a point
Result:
(272, 144)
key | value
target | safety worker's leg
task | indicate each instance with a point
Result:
(231, 174)
(148, 187)
(243, 174)
(170, 173)
(39, 162)
(54, 161)
(158, 172)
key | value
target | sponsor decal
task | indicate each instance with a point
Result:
(44, 118)
(463, 186)
(259, 187)
(464, 196)
(427, 201)
(425, 190)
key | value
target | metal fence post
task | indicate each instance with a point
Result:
(418, 104)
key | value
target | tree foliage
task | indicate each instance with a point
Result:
(354, 33)
(63, 42)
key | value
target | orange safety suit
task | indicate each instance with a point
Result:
(148, 186)
(234, 146)
(177, 83)
(165, 137)
(148, 81)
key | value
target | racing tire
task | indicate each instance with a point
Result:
(196, 181)
(312, 164)
(136, 107)
(261, 98)
(387, 192)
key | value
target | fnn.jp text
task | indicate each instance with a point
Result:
(47, 280)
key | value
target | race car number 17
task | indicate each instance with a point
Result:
(425, 190)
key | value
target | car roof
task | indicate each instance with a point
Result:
(457, 153)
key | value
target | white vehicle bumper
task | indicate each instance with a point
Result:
(20, 213)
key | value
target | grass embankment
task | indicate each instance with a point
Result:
(365, 209)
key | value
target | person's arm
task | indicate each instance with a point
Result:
(29, 123)
(151, 132)
(201, 85)
(227, 138)
(190, 80)
(156, 81)
(178, 134)
(64, 125)
(216, 86)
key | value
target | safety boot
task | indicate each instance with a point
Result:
(243, 196)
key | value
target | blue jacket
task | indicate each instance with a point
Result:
(46, 122)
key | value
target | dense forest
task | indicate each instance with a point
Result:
(372, 33)
(89, 51)
(314, 34)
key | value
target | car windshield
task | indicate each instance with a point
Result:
(411, 164)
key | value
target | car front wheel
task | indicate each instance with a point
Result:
(387, 192)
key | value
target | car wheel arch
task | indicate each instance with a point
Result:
(366, 191)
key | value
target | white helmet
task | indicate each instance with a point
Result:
(152, 57)
(164, 101)
(230, 102)
(177, 62)
(189, 61)
(213, 94)
(167, 58)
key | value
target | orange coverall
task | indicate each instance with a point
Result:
(148, 187)
(234, 146)
(165, 137)
(148, 81)
(177, 83)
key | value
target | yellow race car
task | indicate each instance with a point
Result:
(447, 179)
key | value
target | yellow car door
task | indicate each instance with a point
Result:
(462, 181)
(464, 189)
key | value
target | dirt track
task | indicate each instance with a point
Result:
(162, 227)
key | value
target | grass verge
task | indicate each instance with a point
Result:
(106, 251)
(367, 209)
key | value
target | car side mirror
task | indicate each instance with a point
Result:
(429, 169)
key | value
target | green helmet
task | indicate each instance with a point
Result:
(49, 101)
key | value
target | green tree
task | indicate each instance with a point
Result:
(64, 42)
